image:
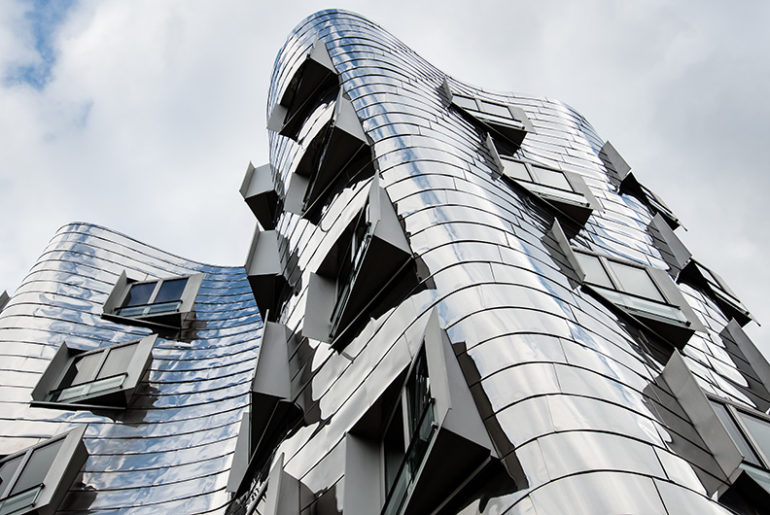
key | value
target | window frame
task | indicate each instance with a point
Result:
(716, 287)
(169, 320)
(577, 210)
(733, 409)
(115, 398)
(509, 130)
(57, 478)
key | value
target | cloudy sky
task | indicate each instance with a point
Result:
(142, 116)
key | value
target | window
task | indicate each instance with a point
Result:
(4, 298)
(565, 191)
(647, 294)
(335, 153)
(161, 303)
(260, 192)
(420, 440)
(671, 248)
(506, 122)
(266, 271)
(716, 287)
(36, 479)
(369, 266)
(314, 78)
(104, 377)
(627, 183)
(272, 412)
(407, 435)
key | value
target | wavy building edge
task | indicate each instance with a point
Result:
(455, 301)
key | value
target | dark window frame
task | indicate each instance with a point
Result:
(61, 366)
(56, 479)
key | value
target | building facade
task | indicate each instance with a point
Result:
(455, 301)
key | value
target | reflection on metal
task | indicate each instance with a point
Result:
(569, 406)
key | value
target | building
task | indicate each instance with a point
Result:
(455, 301)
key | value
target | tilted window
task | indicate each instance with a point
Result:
(104, 377)
(420, 440)
(272, 412)
(162, 303)
(267, 272)
(565, 191)
(647, 294)
(261, 192)
(696, 273)
(627, 183)
(335, 152)
(36, 479)
(369, 265)
(507, 123)
(314, 78)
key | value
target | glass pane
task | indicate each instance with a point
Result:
(7, 470)
(759, 430)
(465, 102)
(117, 360)
(636, 281)
(557, 195)
(644, 307)
(393, 447)
(163, 307)
(139, 294)
(84, 369)
(495, 109)
(735, 433)
(594, 270)
(171, 290)
(37, 467)
(516, 170)
(132, 311)
(17, 502)
(72, 392)
(418, 392)
(550, 178)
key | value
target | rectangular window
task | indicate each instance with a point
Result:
(27, 482)
(749, 429)
(408, 435)
(153, 298)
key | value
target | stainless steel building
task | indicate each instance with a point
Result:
(455, 301)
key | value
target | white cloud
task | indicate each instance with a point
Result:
(153, 110)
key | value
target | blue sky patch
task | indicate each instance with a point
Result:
(41, 21)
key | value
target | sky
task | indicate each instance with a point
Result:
(142, 116)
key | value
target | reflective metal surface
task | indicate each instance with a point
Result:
(570, 389)
(572, 386)
(170, 449)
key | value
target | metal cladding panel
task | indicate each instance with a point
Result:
(171, 448)
(557, 375)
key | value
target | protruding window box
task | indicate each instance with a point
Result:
(370, 265)
(737, 436)
(4, 298)
(260, 192)
(36, 479)
(272, 411)
(509, 124)
(673, 251)
(97, 379)
(158, 303)
(314, 77)
(420, 441)
(565, 191)
(266, 271)
(334, 156)
(646, 294)
(716, 287)
(628, 183)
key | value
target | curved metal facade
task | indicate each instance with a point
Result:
(581, 412)
(572, 390)
(170, 450)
